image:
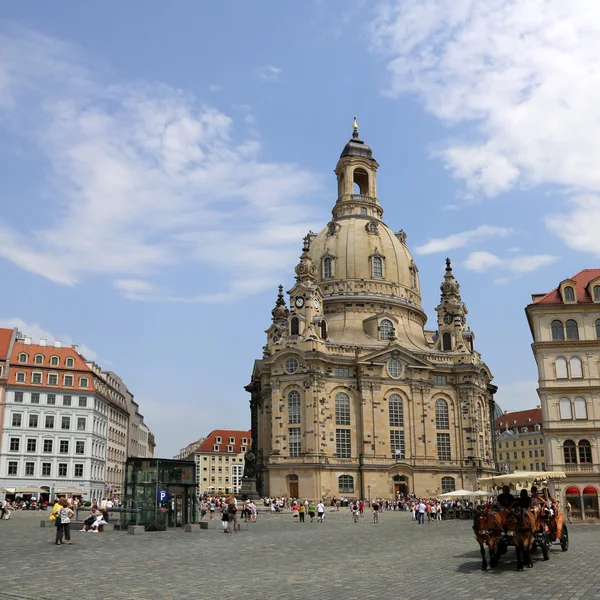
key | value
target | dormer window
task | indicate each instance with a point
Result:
(39, 359)
(327, 268)
(22, 357)
(218, 440)
(386, 329)
(569, 293)
(377, 266)
(69, 362)
(596, 293)
(54, 361)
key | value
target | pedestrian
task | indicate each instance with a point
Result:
(225, 517)
(5, 513)
(422, 509)
(63, 515)
(569, 511)
(320, 512)
(232, 512)
(311, 510)
(212, 509)
(295, 512)
(301, 512)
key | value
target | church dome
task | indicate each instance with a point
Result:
(359, 255)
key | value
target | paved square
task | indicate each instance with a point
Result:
(276, 558)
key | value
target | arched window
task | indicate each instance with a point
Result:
(363, 211)
(346, 484)
(324, 330)
(572, 330)
(386, 329)
(558, 333)
(561, 368)
(585, 451)
(361, 182)
(596, 291)
(442, 420)
(39, 359)
(580, 406)
(576, 367)
(569, 294)
(295, 326)
(377, 266)
(372, 227)
(448, 485)
(569, 452)
(69, 362)
(294, 408)
(565, 409)
(22, 357)
(342, 409)
(396, 411)
(598, 328)
(446, 342)
(54, 361)
(327, 268)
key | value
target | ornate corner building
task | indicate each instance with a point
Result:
(565, 325)
(353, 396)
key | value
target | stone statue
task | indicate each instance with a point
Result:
(249, 464)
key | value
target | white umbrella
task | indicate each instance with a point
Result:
(457, 494)
(71, 491)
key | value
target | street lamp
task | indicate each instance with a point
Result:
(369, 490)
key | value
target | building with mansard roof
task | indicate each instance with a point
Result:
(353, 396)
(565, 325)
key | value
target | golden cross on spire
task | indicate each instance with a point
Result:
(355, 126)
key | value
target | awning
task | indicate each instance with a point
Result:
(521, 477)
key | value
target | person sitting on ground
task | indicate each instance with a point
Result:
(95, 512)
(505, 499)
(99, 520)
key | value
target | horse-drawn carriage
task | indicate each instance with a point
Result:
(538, 526)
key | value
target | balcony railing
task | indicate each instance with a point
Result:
(363, 198)
(578, 467)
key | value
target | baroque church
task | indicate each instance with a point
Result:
(353, 397)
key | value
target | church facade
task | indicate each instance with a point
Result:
(353, 397)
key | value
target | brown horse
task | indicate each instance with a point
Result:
(480, 528)
(488, 527)
(525, 536)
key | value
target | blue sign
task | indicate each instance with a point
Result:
(163, 495)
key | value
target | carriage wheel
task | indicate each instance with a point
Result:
(564, 539)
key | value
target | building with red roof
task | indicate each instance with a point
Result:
(565, 325)
(219, 459)
(520, 441)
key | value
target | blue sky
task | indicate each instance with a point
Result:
(160, 163)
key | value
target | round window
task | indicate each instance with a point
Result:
(394, 368)
(291, 365)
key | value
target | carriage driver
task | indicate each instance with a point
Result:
(505, 499)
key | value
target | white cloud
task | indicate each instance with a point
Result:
(464, 238)
(523, 77)
(142, 178)
(481, 261)
(36, 332)
(268, 73)
(214, 88)
(517, 395)
(579, 228)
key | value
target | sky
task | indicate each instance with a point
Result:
(161, 162)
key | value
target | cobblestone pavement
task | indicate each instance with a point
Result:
(276, 558)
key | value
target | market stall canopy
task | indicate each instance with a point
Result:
(4, 491)
(31, 490)
(71, 491)
(457, 494)
(522, 478)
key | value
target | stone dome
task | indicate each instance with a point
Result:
(352, 243)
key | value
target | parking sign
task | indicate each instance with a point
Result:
(163, 495)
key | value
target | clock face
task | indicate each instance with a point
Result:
(299, 302)
(316, 303)
(448, 318)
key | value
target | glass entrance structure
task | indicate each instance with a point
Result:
(159, 493)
